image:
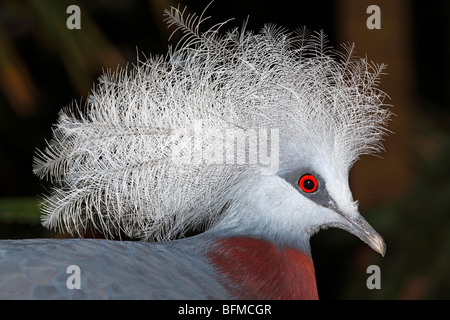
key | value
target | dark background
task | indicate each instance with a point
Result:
(404, 195)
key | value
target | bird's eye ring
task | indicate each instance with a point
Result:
(308, 183)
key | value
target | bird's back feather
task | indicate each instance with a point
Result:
(38, 269)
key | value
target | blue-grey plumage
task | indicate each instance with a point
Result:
(37, 269)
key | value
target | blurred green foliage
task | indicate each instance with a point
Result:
(19, 210)
(83, 54)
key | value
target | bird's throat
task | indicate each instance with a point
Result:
(257, 269)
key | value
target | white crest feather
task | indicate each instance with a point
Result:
(114, 166)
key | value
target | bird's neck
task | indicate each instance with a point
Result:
(257, 269)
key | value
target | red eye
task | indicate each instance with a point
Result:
(308, 183)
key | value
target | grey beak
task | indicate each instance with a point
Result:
(358, 226)
(363, 230)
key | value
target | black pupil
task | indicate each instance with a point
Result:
(308, 184)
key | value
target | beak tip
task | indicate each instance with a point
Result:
(383, 250)
(357, 225)
(377, 243)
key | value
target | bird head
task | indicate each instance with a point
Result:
(324, 199)
(242, 132)
(288, 207)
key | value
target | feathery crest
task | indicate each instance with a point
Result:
(130, 164)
